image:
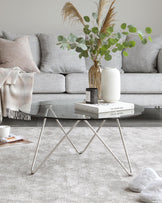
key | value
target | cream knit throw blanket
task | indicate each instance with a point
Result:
(16, 87)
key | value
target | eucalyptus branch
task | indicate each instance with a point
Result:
(101, 41)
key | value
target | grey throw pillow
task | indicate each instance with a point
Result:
(57, 60)
(160, 61)
(142, 58)
(33, 41)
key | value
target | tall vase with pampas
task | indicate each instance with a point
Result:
(100, 40)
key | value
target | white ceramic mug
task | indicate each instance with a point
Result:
(4, 131)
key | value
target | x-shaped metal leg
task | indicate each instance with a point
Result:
(39, 140)
(66, 135)
(129, 172)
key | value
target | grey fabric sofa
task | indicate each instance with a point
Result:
(140, 88)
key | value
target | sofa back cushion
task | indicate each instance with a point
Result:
(33, 41)
(160, 61)
(57, 60)
(17, 53)
(142, 58)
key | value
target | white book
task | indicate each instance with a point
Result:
(111, 114)
(103, 107)
(11, 138)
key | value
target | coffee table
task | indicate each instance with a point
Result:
(65, 110)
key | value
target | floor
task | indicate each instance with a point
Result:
(93, 177)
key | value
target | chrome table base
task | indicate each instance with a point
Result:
(66, 135)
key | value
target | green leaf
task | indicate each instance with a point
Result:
(68, 46)
(126, 44)
(129, 26)
(85, 54)
(72, 37)
(148, 30)
(78, 49)
(65, 45)
(87, 19)
(114, 50)
(60, 38)
(149, 38)
(125, 33)
(112, 41)
(140, 36)
(110, 29)
(107, 52)
(119, 46)
(86, 26)
(105, 47)
(118, 35)
(80, 40)
(103, 35)
(80, 55)
(132, 44)
(125, 53)
(108, 57)
(82, 46)
(102, 52)
(144, 41)
(87, 31)
(95, 30)
(94, 15)
(73, 46)
(132, 29)
(123, 26)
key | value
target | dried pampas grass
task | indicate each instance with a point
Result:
(70, 12)
(109, 19)
(101, 6)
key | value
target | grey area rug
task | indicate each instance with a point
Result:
(93, 177)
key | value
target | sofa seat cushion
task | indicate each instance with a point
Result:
(141, 83)
(131, 83)
(76, 82)
(49, 83)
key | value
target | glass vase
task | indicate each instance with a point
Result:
(95, 77)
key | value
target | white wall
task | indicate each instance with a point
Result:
(29, 16)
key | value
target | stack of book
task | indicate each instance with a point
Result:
(103, 109)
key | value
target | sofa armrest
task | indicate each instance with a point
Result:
(159, 62)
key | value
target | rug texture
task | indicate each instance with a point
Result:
(93, 177)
